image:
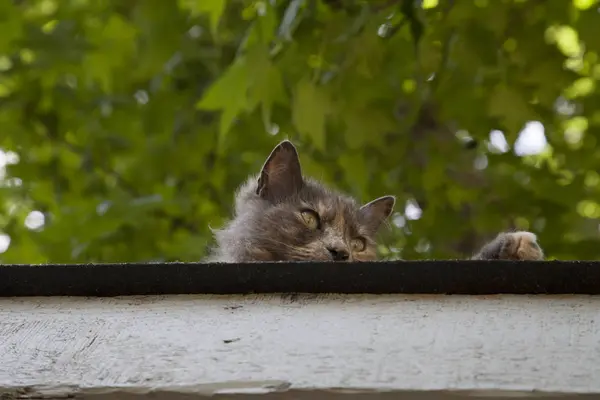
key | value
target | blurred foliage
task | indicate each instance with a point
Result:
(127, 125)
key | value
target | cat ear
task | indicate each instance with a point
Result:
(375, 212)
(281, 175)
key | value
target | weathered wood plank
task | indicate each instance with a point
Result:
(206, 344)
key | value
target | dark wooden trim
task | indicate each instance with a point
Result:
(427, 277)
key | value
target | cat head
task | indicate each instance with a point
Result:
(287, 217)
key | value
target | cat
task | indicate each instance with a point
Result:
(280, 215)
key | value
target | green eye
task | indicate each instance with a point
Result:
(310, 219)
(358, 244)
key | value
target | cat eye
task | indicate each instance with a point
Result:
(311, 219)
(358, 244)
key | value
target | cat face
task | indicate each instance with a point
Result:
(300, 219)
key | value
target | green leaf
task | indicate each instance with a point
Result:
(266, 85)
(356, 170)
(510, 106)
(311, 105)
(366, 127)
(214, 9)
(228, 94)
(411, 13)
(587, 27)
(222, 93)
(11, 27)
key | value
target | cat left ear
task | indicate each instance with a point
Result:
(281, 175)
(375, 212)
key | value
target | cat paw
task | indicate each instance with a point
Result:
(521, 246)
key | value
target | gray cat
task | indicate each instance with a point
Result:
(282, 216)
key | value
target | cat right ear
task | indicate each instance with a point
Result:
(377, 211)
(281, 175)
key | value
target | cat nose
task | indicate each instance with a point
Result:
(338, 254)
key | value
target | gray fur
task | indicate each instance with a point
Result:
(267, 223)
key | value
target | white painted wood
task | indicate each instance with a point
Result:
(204, 344)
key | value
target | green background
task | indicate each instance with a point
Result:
(128, 125)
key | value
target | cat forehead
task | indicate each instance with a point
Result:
(331, 205)
(334, 207)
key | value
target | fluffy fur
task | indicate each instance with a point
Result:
(282, 216)
(269, 223)
(512, 246)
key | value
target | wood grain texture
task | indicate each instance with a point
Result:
(208, 344)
